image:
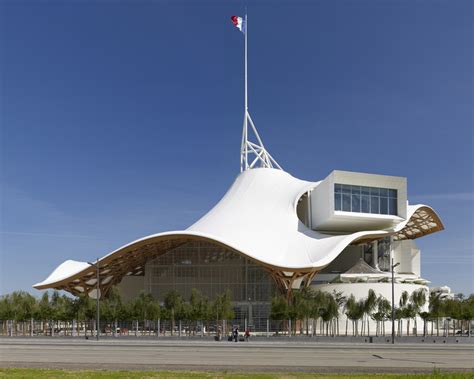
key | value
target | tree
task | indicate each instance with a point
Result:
(279, 310)
(222, 307)
(173, 303)
(340, 301)
(6, 311)
(113, 307)
(370, 304)
(302, 303)
(425, 316)
(383, 313)
(402, 313)
(329, 312)
(198, 306)
(418, 300)
(318, 306)
(436, 310)
(354, 311)
(144, 307)
(85, 308)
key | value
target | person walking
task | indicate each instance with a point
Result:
(247, 335)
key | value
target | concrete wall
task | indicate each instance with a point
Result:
(408, 255)
(360, 291)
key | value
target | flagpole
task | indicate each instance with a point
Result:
(258, 154)
(246, 94)
(244, 164)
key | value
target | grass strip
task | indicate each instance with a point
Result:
(92, 374)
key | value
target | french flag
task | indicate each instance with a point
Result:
(239, 22)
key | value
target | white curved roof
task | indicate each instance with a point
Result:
(256, 217)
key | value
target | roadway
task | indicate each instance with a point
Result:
(207, 355)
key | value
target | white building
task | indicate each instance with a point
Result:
(274, 233)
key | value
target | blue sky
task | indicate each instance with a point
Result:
(122, 119)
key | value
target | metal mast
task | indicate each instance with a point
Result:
(252, 154)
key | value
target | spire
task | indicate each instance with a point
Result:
(252, 152)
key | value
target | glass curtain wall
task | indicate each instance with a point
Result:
(375, 200)
(212, 269)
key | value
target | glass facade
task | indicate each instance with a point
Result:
(382, 260)
(212, 269)
(383, 250)
(349, 198)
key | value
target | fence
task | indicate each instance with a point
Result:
(186, 328)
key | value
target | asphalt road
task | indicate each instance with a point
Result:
(251, 356)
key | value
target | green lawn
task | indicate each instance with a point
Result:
(43, 373)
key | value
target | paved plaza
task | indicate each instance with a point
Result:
(252, 356)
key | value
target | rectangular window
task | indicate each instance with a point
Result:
(346, 188)
(392, 206)
(365, 206)
(383, 205)
(346, 202)
(375, 191)
(374, 204)
(349, 198)
(338, 202)
(355, 189)
(355, 202)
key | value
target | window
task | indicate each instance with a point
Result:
(349, 198)
(338, 202)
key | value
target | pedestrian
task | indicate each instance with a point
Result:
(247, 335)
(236, 334)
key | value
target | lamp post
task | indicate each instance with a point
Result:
(393, 300)
(97, 291)
(249, 315)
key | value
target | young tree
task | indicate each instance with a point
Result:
(436, 309)
(6, 312)
(370, 304)
(143, 307)
(384, 309)
(279, 310)
(402, 311)
(418, 300)
(198, 304)
(354, 311)
(329, 312)
(113, 307)
(302, 303)
(85, 308)
(173, 303)
(222, 307)
(318, 306)
(340, 301)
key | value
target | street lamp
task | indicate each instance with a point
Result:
(393, 300)
(96, 265)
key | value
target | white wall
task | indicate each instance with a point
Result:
(360, 291)
(322, 202)
(408, 255)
